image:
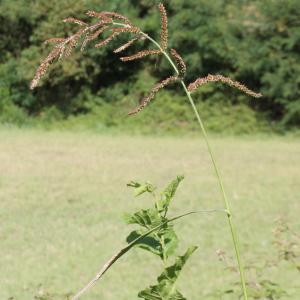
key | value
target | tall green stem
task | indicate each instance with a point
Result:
(226, 202)
(219, 177)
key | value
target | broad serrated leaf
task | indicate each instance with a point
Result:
(165, 290)
(168, 194)
(146, 218)
(149, 243)
(140, 189)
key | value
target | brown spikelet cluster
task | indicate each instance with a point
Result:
(140, 54)
(99, 15)
(91, 37)
(107, 40)
(220, 78)
(54, 41)
(71, 43)
(131, 29)
(126, 45)
(152, 94)
(75, 21)
(114, 15)
(108, 16)
(179, 62)
(164, 27)
(103, 18)
(42, 69)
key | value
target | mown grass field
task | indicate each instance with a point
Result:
(63, 195)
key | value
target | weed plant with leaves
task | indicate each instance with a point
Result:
(162, 242)
(109, 26)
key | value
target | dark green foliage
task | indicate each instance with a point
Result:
(269, 53)
(255, 42)
(162, 242)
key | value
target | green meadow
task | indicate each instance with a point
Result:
(63, 195)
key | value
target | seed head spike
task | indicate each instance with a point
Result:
(215, 78)
(42, 69)
(54, 41)
(114, 15)
(179, 62)
(164, 27)
(126, 45)
(100, 16)
(140, 54)
(107, 40)
(152, 94)
(131, 29)
(92, 37)
(72, 42)
(74, 21)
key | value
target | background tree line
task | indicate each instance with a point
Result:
(255, 42)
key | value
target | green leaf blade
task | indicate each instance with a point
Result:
(149, 243)
(165, 289)
(168, 194)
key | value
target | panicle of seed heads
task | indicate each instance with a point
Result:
(126, 45)
(152, 94)
(66, 45)
(179, 62)
(140, 54)
(164, 27)
(215, 78)
(74, 21)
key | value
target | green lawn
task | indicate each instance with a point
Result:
(63, 195)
